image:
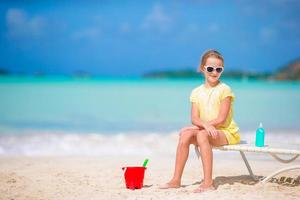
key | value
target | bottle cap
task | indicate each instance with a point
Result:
(260, 125)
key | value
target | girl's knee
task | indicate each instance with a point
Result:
(202, 137)
(184, 132)
(185, 137)
(188, 128)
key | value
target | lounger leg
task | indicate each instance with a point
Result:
(278, 172)
(283, 160)
(247, 165)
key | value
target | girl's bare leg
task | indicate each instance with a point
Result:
(206, 157)
(182, 153)
(204, 142)
(187, 137)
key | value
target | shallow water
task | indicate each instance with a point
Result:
(138, 105)
(67, 116)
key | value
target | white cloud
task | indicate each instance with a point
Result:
(20, 25)
(157, 20)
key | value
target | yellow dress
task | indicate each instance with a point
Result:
(208, 101)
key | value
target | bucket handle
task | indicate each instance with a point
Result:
(124, 170)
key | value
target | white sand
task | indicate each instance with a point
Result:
(102, 178)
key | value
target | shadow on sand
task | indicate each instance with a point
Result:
(248, 180)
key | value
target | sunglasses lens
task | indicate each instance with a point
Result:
(219, 69)
(210, 69)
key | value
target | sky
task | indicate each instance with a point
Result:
(129, 38)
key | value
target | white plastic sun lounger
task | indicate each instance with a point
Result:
(244, 147)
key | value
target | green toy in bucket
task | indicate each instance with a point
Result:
(134, 176)
(145, 162)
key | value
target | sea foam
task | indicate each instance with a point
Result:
(57, 143)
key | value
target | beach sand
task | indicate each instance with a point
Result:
(91, 177)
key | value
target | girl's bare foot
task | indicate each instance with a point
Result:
(204, 187)
(171, 184)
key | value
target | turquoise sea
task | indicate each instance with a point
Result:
(112, 106)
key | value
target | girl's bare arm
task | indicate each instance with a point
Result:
(223, 113)
(195, 118)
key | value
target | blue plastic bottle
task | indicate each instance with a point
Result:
(260, 136)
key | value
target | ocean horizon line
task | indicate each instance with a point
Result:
(95, 78)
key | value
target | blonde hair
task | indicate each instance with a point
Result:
(206, 55)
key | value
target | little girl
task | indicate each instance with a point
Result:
(211, 116)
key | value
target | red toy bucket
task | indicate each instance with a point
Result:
(134, 177)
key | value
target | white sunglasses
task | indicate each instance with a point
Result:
(212, 68)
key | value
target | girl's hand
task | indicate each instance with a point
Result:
(211, 130)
